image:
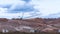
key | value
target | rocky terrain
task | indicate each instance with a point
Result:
(30, 25)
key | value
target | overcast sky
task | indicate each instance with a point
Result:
(30, 8)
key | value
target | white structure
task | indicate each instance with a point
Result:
(25, 28)
(59, 30)
(32, 30)
(5, 30)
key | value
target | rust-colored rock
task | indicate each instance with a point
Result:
(3, 20)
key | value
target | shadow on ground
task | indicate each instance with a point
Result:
(29, 33)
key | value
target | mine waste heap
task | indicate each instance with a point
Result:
(33, 26)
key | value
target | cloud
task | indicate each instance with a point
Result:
(47, 7)
(30, 8)
(15, 6)
(50, 6)
(5, 6)
(26, 0)
(21, 8)
(3, 14)
(57, 15)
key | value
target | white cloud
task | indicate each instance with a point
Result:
(50, 6)
(3, 11)
(19, 4)
(47, 7)
(3, 14)
(43, 8)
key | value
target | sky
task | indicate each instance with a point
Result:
(30, 8)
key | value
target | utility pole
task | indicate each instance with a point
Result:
(22, 15)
